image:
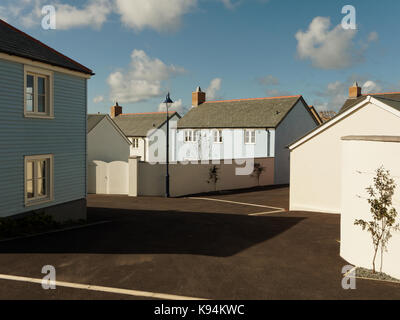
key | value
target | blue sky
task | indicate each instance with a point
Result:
(140, 49)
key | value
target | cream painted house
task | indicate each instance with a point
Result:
(316, 159)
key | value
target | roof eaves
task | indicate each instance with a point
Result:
(85, 69)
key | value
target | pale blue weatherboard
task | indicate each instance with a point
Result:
(64, 137)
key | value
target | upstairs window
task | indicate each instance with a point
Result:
(38, 179)
(135, 143)
(250, 136)
(38, 86)
(217, 136)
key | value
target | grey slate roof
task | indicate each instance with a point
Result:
(245, 113)
(93, 120)
(139, 124)
(387, 96)
(18, 43)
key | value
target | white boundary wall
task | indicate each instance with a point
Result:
(192, 178)
(360, 159)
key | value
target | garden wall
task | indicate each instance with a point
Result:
(361, 156)
(192, 178)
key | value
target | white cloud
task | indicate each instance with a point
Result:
(143, 80)
(230, 4)
(336, 93)
(213, 89)
(373, 36)
(371, 87)
(98, 99)
(269, 80)
(94, 14)
(155, 14)
(176, 106)
(138, 14)
(327, 49)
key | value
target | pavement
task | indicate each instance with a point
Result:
(196, 248)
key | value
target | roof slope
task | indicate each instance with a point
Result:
(353, 101)
(18, 43)
(139, 124)
(93, 120)
(244, 113)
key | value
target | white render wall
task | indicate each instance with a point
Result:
(141, 150)
(105, 143)
(315, 166)
(232, 146)
(192, 178)
(359, 161)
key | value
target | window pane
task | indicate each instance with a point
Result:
(41, 103)
(41, 85)
(29, 92)
(29, 170)
(29, 83)
(41, 169)
(41, 187)
(29, 189)
(29, 102)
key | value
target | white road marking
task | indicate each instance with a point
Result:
(268, 212)
(135, 293)
(278, 210)
(55, 231)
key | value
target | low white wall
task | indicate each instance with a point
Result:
(360, 159)
(192, 178)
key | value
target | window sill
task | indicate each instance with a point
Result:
(31, 203)
(38, 116)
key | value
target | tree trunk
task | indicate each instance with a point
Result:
(373, 261)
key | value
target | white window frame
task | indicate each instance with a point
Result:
(50, 180)
(190, 136)
(217, 136)
(48, 75)
(250, 133)
(135, 143)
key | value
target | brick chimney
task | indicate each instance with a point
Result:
(198, 97)
(354, 91)
(116, 110)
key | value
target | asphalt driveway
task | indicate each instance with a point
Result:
(191, 247)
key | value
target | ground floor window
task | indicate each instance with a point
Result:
(250, 136)
(38, 179)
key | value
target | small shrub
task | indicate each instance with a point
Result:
(30, 224)
(213, 176)
(383, 214)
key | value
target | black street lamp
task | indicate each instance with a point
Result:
(168, 102)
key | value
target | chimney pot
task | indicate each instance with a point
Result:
(116, 110)
(354, 91)
(198, 97)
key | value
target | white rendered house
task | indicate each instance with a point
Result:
(316, 159)
(147, 133)
(243, 129)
